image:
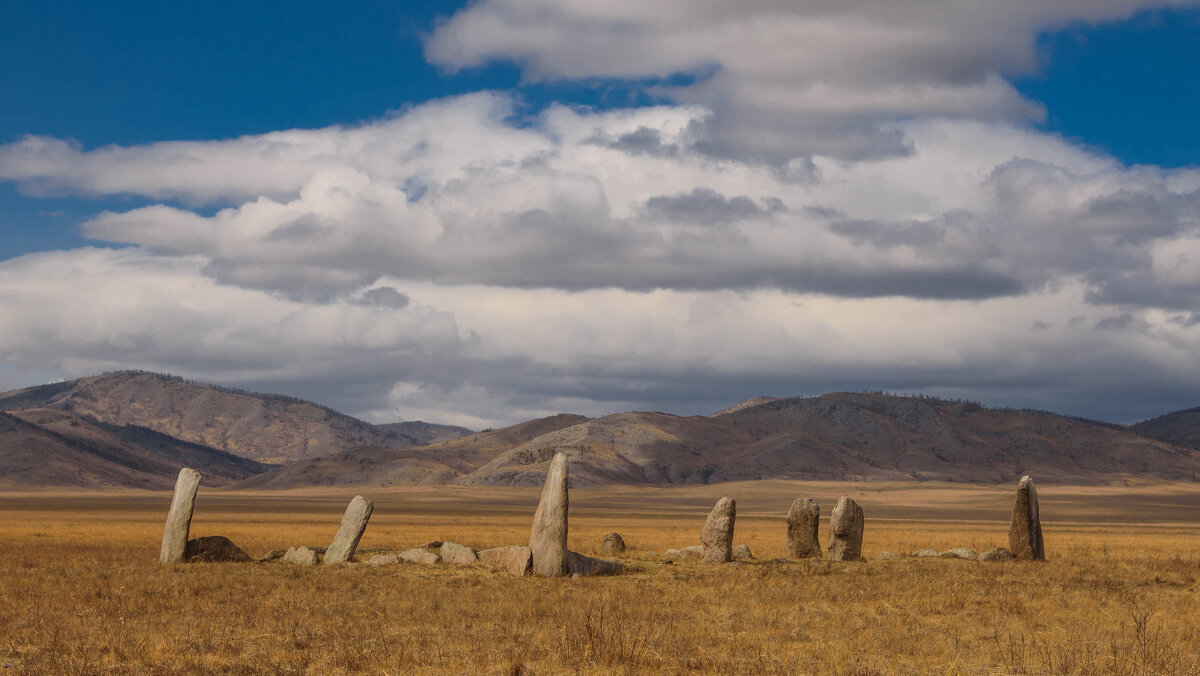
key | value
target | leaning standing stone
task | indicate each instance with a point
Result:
(179, 519)
(845, 531)
(1025, 532)
(354, 522)
(802, 520)
(548, 538)
(717, 536)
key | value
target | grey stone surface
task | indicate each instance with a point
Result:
(1025, 531)
(272, 555)
(548, 537)
(512, 560)
(301, 556)
(354, 522)
(612, 544)
(886, 555)
(997, 554)
(845, 531)
(742, 553)
(214, 548)
(419, 555)
(802, 521)
(459, 555)
(179, 518)
(693, 552)
(383, 560)
(584, 566)
(717, 534)
(926, 553)
(960, 553)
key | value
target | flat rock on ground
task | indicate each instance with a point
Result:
(693, 552)
(997, 554)
(383, 560)
(461, 555)
(742, 553)
(960, 553)
(301, 556)
(513, 560)
(214, 548)
(584, 566)
(925, 553)
(419, 555)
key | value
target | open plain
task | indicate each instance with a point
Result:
(81, 589)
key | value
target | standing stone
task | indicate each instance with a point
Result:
(179, 519)
(354, 522)
(802, 520)
(717, 536)
(1025, 533)
(548, 538)
(612, 545)
(845, 531)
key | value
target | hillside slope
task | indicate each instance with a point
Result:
(1181, 428)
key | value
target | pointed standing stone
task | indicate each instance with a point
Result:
(717, 536)
(354, 522)
(802, 521)
(845, 531)
(548, 538)
(1025, 532)
(179, 519)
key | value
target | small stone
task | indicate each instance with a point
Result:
(845, 530)
(272, 555)
(214, 548)
(419, 555)
(997, 554)
(717, 535)
(960, 553)
(926, 553)
(548, 537)
(612, 545)
(742, 553)
(693, 552)
(383, 560)
(354, 522)
(1025, 531)
(886, 555)
(580, 565)
(179, 518)
(512, 560)
(802, 521)
(301, 556)
(457, 554)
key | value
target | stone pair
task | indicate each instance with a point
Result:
(845, 530)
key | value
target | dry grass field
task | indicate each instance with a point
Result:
(81, 591)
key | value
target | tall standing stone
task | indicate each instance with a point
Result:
(717, 536)
(179, 519)
(354, 522)
(548, 538)
(845, 530)
(1025, 532)
(802, 520)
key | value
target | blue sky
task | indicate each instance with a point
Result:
(1067, 90)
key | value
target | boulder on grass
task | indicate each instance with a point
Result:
(742, 553)
(960, 553)
(584, 566)
(301, 556)
(612, 545)
(997, 554)
(513, 560)
(693, 552)
(419, 555)
(459, 555)
(383, 560)
(214, 548)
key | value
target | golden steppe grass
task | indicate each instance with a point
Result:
(81, 591)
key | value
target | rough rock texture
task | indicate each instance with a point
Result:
(742, 553)
(1025, 532)
(354, 522)
(512, 560)
(612, 545)
(717, 535)
(693, 552)
(434, 544)
(419, 555)
(802, 520)
(925, 553)
(383, 560)
(460, 555)
(548, 538)
(301, 556)
(179, 519)
(272, 555)
(886, 555)
(960, 553)
(214, 548)
(997, 554)
(845, 531)
(583, 566)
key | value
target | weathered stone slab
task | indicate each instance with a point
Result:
(845, 531)
(997, 554)
(693, 552)
(459, 555)
(584, 566)
(612, 545)
(802, 521)
(548, 537)
(301, 556)
(419, 555)
(960, 553)
(354, 522)
(1025, 531)
(383, 560)
(926, 553)
(742, 553)
(512, 560)
(214, 548)
(717, 534)
(179, 518)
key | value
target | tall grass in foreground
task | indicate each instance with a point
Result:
(81, 592)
